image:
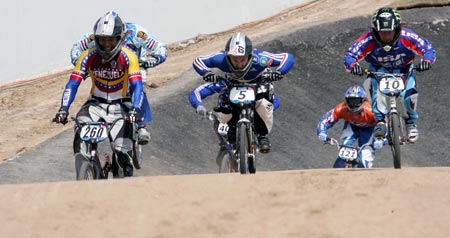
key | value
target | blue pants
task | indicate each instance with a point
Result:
(409, 96)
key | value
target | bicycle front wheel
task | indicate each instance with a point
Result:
(395, 136)
(243, 148)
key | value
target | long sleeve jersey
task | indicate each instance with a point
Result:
(111, 80)
(136, 38)
(364, 118)
(261, 61)
(402, 54)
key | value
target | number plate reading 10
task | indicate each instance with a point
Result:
(348, 153)
(391, 85)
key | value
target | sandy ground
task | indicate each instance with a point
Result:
(412, 202)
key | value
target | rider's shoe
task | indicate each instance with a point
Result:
(128, 170)
(143, 136)
(413, 132)
(379, 131)
(264, 144)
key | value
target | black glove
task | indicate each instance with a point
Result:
(133, 115)
(357, 70)
(61, 116)
(423, 66)
(210, 77)
(273, 75)
(150, 62)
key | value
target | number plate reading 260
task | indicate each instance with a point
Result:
(242, 94)
(348, 153)
(94, 132)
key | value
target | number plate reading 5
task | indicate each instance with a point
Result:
(390, 85)
(348, 153)
(242, 94)
(94, 132)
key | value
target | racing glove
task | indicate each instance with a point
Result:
(61, 116)
(273, 75)
(210, 77)
(323, 136)
(150, 62)
(357, 70)
(201, 110)
(424, 66)
(133, 115)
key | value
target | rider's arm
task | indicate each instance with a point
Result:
(151, 45)
(202, 64)
(418, 45)
(330, 118)
(360, 48)
(86, 42)
(201, 92)
(135, 78)
(284, 61)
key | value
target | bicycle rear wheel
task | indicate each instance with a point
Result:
(395, 136)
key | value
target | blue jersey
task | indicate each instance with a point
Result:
(261, 61)
(201, 92)
(402, 54)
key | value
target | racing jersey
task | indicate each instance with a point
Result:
(137, 38)
(261, 61)
(207, 89)
(364, 118)
(112, 80)
(402, 54)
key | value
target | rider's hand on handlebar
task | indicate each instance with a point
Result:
(273, 75)
(133, 115)
(357, 70)
(61, 116)
(150, 63)
(210, 77)
(201, 110)
(423, 66)
(323, 137)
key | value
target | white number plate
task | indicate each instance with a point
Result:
(390, 85)
(242, 94)
(94, 132)
(348, 153)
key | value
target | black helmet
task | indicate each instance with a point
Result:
(386, 19)
(109, 24)
(239, 45)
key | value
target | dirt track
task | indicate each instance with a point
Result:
(412, 202)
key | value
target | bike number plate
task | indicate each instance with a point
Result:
(242, 94)
(348, 153)
(390, 85)
(94, 132)
(223, 129)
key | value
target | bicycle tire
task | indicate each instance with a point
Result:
(137, 155)
(243, 148)
(395, 147)
(89, 171)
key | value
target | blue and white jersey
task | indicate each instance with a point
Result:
(261, 61)
(402, 54)
(136, 38)
(207, 89)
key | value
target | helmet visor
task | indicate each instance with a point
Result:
(354, 102)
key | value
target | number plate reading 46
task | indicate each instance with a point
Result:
(242, 94)
(347, 153)
(94, 132)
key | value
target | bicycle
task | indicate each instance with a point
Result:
(390, 87)
(351, 155)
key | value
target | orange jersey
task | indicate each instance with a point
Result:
(364, 118)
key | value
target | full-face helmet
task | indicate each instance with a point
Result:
(238, 46)
(355, 96)
(109, 25)
(386, 20)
